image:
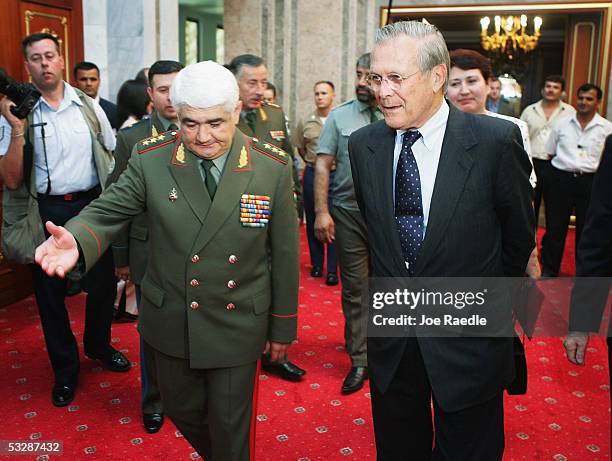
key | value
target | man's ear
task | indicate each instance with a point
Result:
(438, 77)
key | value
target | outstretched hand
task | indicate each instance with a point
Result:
(59, 253)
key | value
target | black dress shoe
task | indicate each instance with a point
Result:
(114, 361)
(354, 380)
(332, 279)
(285, 370)
(73, 287)
(152, 422)
(316, 271)
(124, 317)
(62, 395)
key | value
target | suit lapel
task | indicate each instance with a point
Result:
(380, 161)
(185, 169)
(456, 161)
(234, 180)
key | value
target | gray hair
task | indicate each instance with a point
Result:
(364, 60)
(203, 85)
(431, 52)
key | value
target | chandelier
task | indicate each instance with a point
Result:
(510, 35)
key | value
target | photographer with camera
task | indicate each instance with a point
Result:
(53, 163)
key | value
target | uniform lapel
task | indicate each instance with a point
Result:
(185, 169)
(456, 160)
(236, 177)
(157, 124)
(382, 147)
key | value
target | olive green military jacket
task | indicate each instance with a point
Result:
(222, 277)
(270, 126)
(131, 248)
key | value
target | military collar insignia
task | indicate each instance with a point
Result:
(154, 132)
(263, 115)
(178, 156)
(243, 161)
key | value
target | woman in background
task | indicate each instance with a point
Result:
(133, 103)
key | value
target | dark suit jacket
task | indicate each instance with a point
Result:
(594, 256)
(504, 108)
(131, 247)
(110, 110)
(481, 224)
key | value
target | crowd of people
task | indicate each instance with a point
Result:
(192, 187)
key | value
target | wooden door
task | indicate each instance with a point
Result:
(18, 18)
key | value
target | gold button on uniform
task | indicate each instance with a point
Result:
(233, 259)
(231, 284)
(195, 258)
(194, 305)
(230, 306)
(194, 283)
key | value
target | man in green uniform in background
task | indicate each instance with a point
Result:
(131, 248)
(221, 282)
(267, 123)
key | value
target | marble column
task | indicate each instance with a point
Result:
(302, 41)
(123, 37)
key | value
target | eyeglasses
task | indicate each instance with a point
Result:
(394, 80)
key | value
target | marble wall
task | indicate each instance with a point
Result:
(122, 37)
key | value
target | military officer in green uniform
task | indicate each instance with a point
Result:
(266, 122)
(131, 248)
(221, 282)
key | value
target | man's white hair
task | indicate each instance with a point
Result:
(203, 85)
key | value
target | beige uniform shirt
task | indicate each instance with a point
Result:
(306, 137)
(540, 127)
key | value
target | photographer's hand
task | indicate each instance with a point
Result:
(11, 163)
(17, 124)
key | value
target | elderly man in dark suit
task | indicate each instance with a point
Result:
(221, 281)
(444, 194)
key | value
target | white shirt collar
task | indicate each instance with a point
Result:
(431, 127)
(70, 97)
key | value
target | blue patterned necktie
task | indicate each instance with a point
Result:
(408, 201)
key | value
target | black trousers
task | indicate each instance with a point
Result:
(403, 425)
(50, 293)
(317, 248)
(542, 171)
(565, 191)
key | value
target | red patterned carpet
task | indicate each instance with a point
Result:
(565, 415)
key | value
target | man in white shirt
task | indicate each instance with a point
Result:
(575, 145)
(67, 178)
(540, 118)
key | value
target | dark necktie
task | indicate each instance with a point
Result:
(408, 201)
(209, 179)
(372, 113)
(251, 117)
(172, 127)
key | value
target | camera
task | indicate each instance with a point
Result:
(24, 95)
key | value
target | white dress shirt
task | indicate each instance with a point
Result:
(525, 135)
(67, 141)
(577, 150)
(426, 152)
